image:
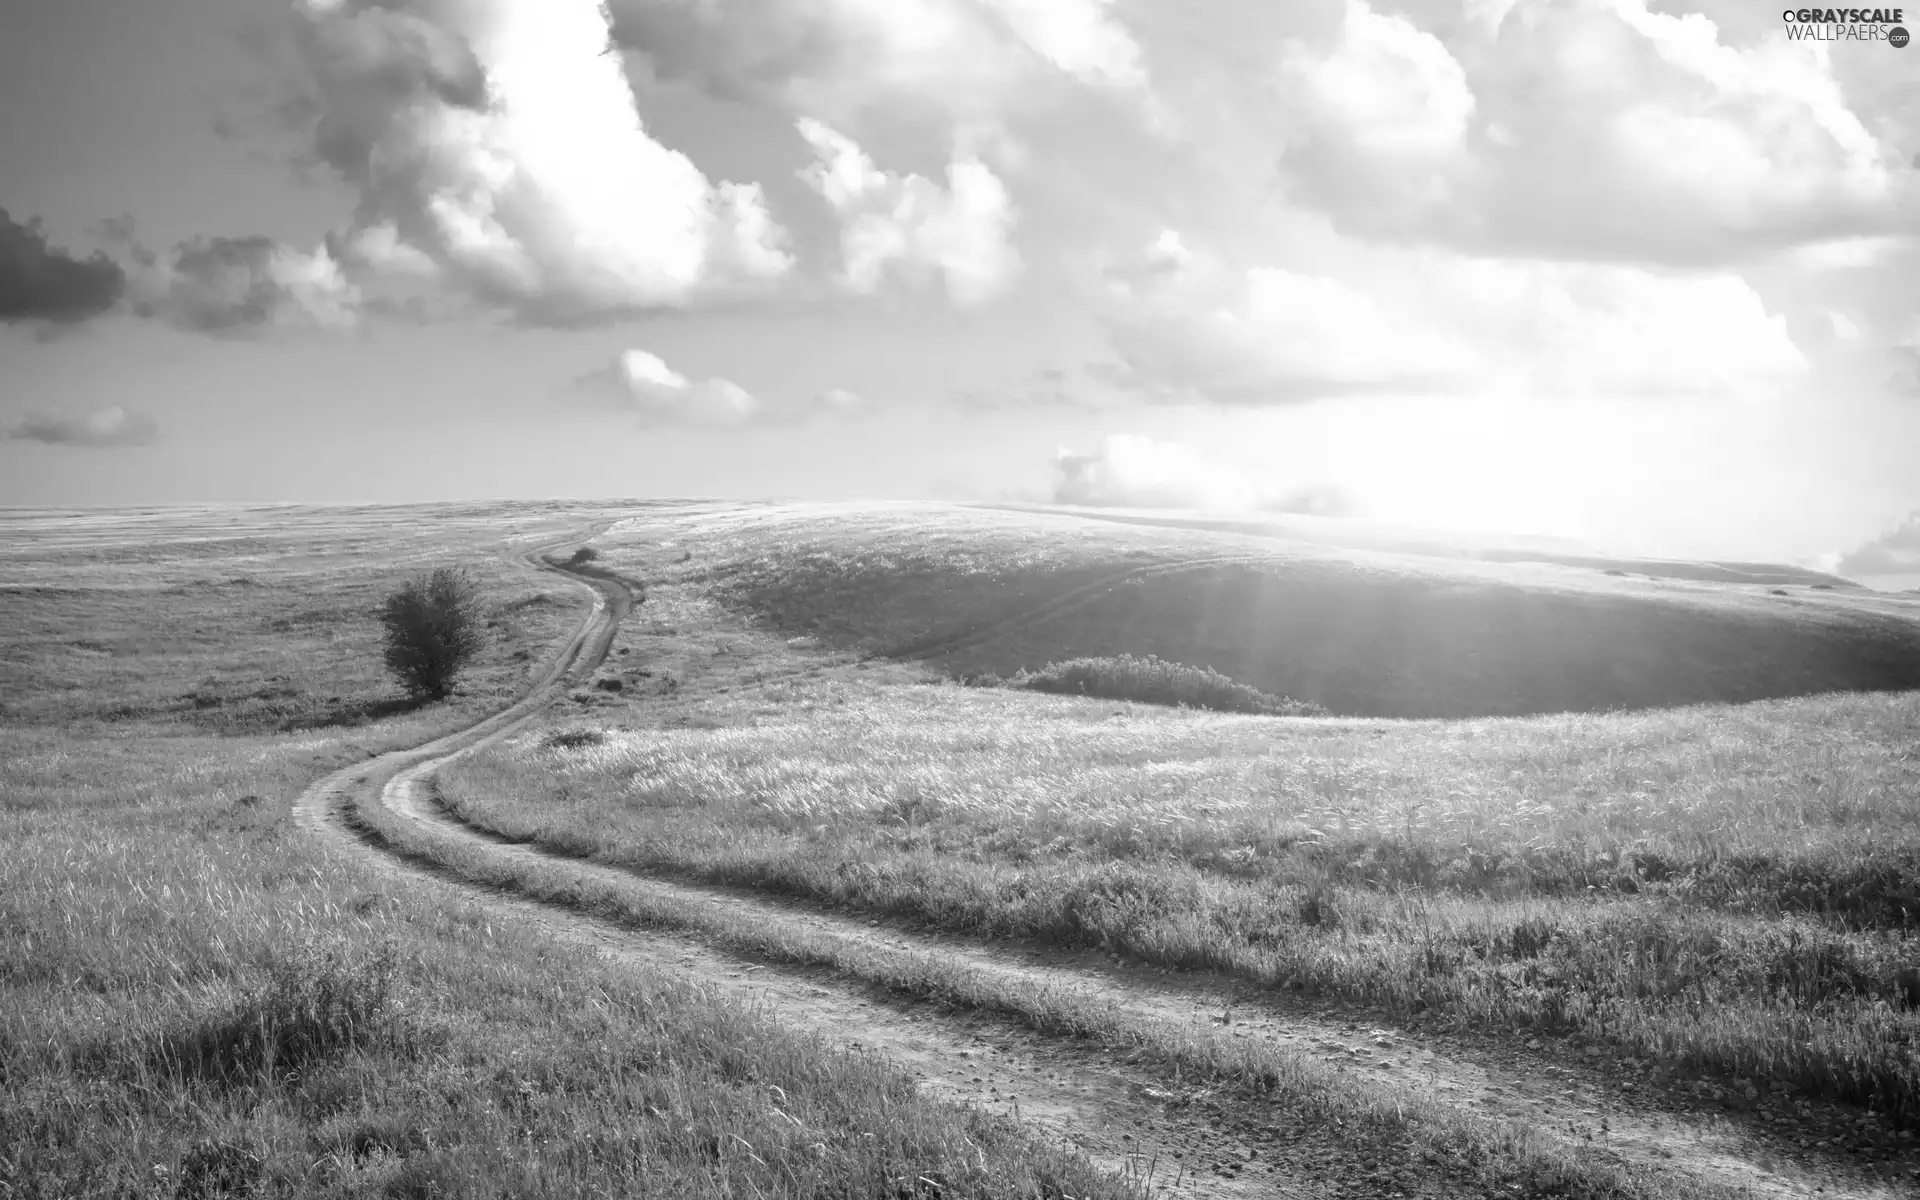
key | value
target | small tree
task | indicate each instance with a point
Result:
(432, 631)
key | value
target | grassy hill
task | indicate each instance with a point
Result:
(1363, 632)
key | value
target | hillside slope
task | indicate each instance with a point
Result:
(1361, 632)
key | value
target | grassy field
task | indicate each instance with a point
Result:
(195, 1001)
(1361, 632)
(1728, 888)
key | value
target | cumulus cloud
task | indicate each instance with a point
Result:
(113, 426)
(1896, 552)
(1190, 327)
(1584, 128)
(41, 283)
(496, 147)
(642, 383)
(910, 225)
(968, 60)
(1131, 471)
(229, 284)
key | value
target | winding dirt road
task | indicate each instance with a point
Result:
(1124, 1117)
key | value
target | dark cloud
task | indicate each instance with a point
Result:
(109, 427)
(230, 284)
(41, 283)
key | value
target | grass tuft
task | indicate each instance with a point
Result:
(316, 1000)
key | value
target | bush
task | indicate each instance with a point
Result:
(573, 739)
(433, 629)
(583, 556)
(1153, 680)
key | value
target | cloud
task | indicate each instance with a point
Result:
(1896, 552)
(1583, 128)
(909, 225)
(495, 149)
(964, 61)
(1385, 87)
(1131, 471)
(229, 284)
(109, 427)
(1189, 327)
(839, 402)
(41, 283)
(643, 384)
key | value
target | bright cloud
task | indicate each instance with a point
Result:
(642, 383)
(1080, 37)
(1191, 327)
(1132, 471)
(1385, 87)
(910, 225)
(1585, 128)
(497, 145)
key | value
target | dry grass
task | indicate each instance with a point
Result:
(196, 1002)
(1728, 888)
(1501, 871)
(1361, 632)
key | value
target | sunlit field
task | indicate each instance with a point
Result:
(1360, 632)
(198, 1000)
(1726, 887)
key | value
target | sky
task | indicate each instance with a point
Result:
(1634, 273)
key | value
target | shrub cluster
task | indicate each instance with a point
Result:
(573, 739)
(1153, 680)
(432, 629)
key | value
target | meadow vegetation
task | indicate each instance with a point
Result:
(1728, 889)
(197, 1000)
(1360, 632)
(1151, 680)
(1722, 889)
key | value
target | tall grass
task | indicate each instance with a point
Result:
(1361, 633)
(1498, 871)
(196, 1001)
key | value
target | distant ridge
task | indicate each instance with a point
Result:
(1430, 543)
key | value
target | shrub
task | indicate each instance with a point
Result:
(583, 556)
(433, 629)
(1153, 680)
(573, 739)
